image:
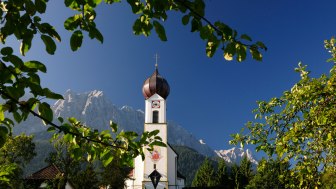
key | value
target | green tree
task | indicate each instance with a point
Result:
(235, 177)
(328, 179)
(222, 175)
(299, 126)
(77, 171)
(246, 171)
(270, 174)
(87, 178)
(14, 155)
(114, 175)
(205, 175)
(241, 174)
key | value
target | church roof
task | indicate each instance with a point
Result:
(179, 175)
(155, 84)
(47, 173)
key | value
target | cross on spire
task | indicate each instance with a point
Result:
(156, 56)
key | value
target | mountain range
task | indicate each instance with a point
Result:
(96, 111)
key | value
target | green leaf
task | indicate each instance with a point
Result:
(256, 54)
(45, 111)
(160, 31)
(114, 126)
(50, 30)
(329, 136)
(107, 161)
(77, 153)
(36, 65)
(194, 25)
(49, 43)
(17, 117)
(25, 46)
(94, 3)
(68, 2)
(76, 40)
(17, 62)
(185, 19)
(51, 95)
(95, 33)
(51, 129)
(3, 135)
(241, 53)
(41, 6)
(2, 113)
(60, 119)
(6, 51)
(30, 8)
(246, 37)
(73, 22)
(261, 45)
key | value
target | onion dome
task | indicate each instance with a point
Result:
(155, 84)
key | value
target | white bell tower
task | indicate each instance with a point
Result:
(162, 159)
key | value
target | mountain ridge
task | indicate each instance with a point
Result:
(95, 110)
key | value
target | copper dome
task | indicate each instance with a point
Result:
(155, 84)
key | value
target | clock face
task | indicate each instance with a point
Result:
(156, 104)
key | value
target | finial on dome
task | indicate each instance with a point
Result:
(156, 56)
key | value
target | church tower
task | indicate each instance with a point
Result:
(156, 90)
(163, 159)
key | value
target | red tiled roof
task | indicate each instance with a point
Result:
(46, 173)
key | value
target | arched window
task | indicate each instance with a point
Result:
(155, 116)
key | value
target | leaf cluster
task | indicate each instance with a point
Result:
(298, 127)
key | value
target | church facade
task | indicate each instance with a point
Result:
(161, 161)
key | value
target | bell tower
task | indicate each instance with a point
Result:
(162, 161)
(156, 90)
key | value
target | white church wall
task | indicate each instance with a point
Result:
(172, 167)
(161, 163)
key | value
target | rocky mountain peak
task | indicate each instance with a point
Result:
(234, 155)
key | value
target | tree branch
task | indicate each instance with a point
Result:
(23, 106)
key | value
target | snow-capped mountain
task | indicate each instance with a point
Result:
(96, 111)
(234, 155)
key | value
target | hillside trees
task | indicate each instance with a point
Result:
(86, 174)
(270, 174)
(23, 21)
(14, 155)
(205, 175)
(299, 126)
(235, 176)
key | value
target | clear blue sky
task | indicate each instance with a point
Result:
(211, 98)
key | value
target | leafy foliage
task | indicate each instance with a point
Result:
(14, 155)
(22, 20)
(299, 126)
(328, 179)
(271, 174)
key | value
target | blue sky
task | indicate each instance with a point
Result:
(211, 98)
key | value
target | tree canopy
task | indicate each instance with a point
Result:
(299, 126)
(16, 153)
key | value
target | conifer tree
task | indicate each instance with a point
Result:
(205, 175)
(222, 177)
